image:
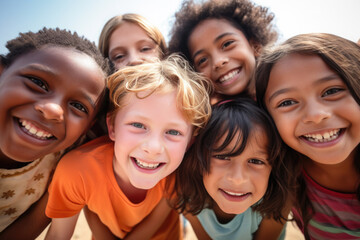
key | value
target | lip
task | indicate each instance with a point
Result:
(235, 198)
(30, 138)
(234, 75)
(146, 170)
(326, 144)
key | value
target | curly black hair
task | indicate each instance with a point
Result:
(27, 42)
(254, 21)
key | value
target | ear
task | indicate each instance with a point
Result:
(111, 127)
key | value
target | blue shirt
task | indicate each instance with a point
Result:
(242, 226)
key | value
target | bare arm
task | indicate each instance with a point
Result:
(62, 228)
(200, 232)
(30, 224)
(99, 230)
(149, 226)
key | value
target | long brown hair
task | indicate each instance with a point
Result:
(341, 55)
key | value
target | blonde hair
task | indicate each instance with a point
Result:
(170, 74)
(113, 23)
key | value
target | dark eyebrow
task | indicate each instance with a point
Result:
(46, 70)
(91, 101)
(319, 81)
(215, 40)
(41, 68)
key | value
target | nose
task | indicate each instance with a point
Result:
(153, 145)
(135, 58)
(51, 111)
(315, 112)
(219, 61)
(237, 174)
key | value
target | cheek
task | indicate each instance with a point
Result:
(262, 180)
(177, 151)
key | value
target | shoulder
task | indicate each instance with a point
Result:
(102, 145)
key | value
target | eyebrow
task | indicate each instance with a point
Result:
(317, 82)
(48, 71)
(141, 41)
(215, 40)
(41, 68)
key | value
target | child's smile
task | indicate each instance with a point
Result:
(313, 109)
(146, 165)
(222, 53)
(33, 130)
(48, 99)
(150, 142)
(238, 182)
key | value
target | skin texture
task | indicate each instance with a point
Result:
(56, 91)
(130, 45)
(151, 135)
(246, 174)
(217, 49)
(53, 91)
(319, 106)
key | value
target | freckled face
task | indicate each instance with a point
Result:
(150, 142)
(313, 109)
(48, 99)
(223, 54)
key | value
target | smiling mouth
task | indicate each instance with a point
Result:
(229, 76)
(33, 131)
(234, 194)
(324, 137)
(145, 165)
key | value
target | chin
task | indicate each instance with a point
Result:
(145, 185)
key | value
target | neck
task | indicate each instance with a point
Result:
(135, 195)
(222, 216)
(341, 177)
(8, 163)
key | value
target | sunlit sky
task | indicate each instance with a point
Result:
(87, 17)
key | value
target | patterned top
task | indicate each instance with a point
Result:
(337, 215)
(21, 187)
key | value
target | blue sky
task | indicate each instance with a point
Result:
(87, 17)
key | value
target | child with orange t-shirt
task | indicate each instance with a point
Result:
(154, 112)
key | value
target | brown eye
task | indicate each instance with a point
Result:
(38, 82)
(79, 106)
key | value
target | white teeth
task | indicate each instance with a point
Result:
(229, 76)
(325, 137)
(34, 131)
(234, 194)
(146, 165)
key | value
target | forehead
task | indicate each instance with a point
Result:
(299, 68)
(62, 65)
(127, 32)
(212, 28)
(256, 137)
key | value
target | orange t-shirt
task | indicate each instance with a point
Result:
(85, 176)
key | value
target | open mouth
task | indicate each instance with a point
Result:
(235, 195)
(34, 131)
(145, 165)
(229, 76)
(324, 137)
